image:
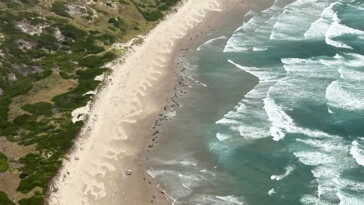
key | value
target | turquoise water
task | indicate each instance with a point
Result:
(278, 114)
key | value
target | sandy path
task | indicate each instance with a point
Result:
(121, 119)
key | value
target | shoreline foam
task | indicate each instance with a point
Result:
(102, 168)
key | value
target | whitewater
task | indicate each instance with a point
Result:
(281, 118)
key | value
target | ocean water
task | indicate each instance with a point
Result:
(278, 114)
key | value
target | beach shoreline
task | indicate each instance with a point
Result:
(103, 166)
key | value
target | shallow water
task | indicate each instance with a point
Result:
(281, 120)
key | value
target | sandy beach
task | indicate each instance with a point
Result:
(103, 167)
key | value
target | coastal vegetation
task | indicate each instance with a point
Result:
(3, 162)
(4, 200)
(50, 55)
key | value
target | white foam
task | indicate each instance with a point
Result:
(328, 154)
(320, 26)
(345, 96)
(185, 182)
(223, 137)
(177, 162)
(250, 14)
(271, 192)
(357, 151)
(350, 199)
(260, 48)
(327, 172)
(256, 31)
(330, 158)
(281, 122)
(254, 40)
(249, 118)
(289, 170)
(309, 200)
(332, 32)
(189, 181)
(329, 144)
(220, 148)
(264, 74)
(307, 71)
(231, 199)
(314, 158)
(156, 173)
(351, 74)
(336, 29)
(302, 13)
(188, 163)
(205, 199)
(210, 42)
(253, 131)
(356, 186)
(225, 121)
(355, 60)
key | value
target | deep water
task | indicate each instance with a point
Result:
(281, 118)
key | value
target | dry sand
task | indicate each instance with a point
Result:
(121, 120)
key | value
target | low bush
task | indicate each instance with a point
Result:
(30, 2)
(41, 108)
(4, 200)
(34, 200)
(60, 9)
(3, 162)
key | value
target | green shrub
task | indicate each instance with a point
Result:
(34, 200)
(19, 87)
(23, 120)
(37, 172)
(76, 97)
(70, 100)
(86, 45)
(60, 9)
(152, 16)
(5, 101)
(163, 8)
(96, 61)
(11, 4)
(47, 41)
(41, 108)
(66, 76)
(149, 16)
(72, 32)
(30, 2)
(89, 74)
(3, 162)
(107, 39)
(117, 22)
(4, 200)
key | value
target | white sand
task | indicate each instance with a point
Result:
(118, 125)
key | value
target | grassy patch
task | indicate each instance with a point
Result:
(42, 91)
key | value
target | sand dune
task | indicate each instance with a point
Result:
(120, 119)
